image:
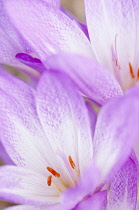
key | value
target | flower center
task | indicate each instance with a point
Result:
(61, 184)
(132, 73)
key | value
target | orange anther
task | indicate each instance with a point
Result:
(71, 162)
(138, 74)
(75, 181)
(49, 180)
(52, 171)
(131, 70)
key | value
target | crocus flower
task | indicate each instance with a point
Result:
(60, 163)
(112, 47)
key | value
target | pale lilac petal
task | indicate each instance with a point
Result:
(82, 26)
(97, 202)
(55, 3)
(4, 156)
(116, 131)
(93, 80)
(138, 205)
(11, 42)
(24, 186)
(123, 189)
(114, 24)
(92, 116)
(28, 60)
(20, 127)
(54, 31)
(85, 187)
(64, 117)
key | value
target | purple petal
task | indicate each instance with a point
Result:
(93, 81)
(64, 117)
(55, 3)
(34, 63)
(116, 131)
(123, 190)
(82, 26)
(24, 186)
(20, 127)
(4, 156)
(11, 42)
(96, 202)
(84, 188)
(54, 31)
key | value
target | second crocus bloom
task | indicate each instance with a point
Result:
(59, 164)
(113, 28)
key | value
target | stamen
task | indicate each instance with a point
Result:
(49, 180)
(63, 183)
(131, 70)
(57, 187)
(56, 174)
(71, 162)
(75, 182)
(52, 171)
(116, 64)
(138, 74)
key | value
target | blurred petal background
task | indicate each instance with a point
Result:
(76, 7)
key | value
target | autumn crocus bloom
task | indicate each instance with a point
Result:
(112, 48)
(60, 162)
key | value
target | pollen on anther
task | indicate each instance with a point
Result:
(52, 171)
(71, 162)
(131, 70)
(49, 180)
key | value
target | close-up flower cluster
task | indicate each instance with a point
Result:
(69, 104)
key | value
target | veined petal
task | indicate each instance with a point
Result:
(82, 26)
(96, 202)
(114, 25)
(123, 189)
(54, 31)
(65, 120)
(116, 131)
(92, 79)
(24, 186)
(55, 3)
(59, 107)
(11, 42)
(21, 131)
